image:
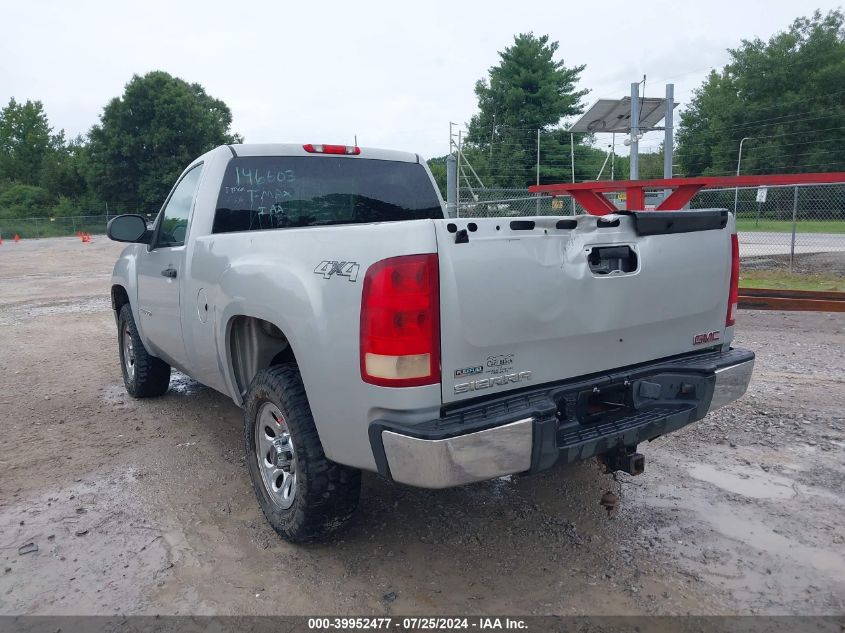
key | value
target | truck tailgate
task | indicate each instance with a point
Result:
(531, 300)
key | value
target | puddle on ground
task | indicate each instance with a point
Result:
(753, 483)
(740, 528)
(745, 481)
(115, 394)
(185, 385)
(759, 536)
(737, 546)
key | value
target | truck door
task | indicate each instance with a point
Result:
(160, 270)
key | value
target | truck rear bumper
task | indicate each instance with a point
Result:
(564, 422)
(731, 383)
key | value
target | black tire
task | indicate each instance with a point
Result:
(325, 493)
(150, 376)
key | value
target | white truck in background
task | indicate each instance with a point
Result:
(323, 290)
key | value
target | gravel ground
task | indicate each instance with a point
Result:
(111, 505)
(803, 264)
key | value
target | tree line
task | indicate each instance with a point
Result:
(784, 96)
(126, 163)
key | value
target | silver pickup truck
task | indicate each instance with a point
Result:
(323, 290)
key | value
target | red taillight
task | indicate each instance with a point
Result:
(400, 322)
(332, 149)
(733, 294)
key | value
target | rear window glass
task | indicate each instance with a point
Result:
(279, 192)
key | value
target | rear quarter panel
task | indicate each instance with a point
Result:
(275, 275)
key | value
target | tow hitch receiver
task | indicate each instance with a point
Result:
(625, 459)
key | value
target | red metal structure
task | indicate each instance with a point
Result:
(795, 300)
(589, 194)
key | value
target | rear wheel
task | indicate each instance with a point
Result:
(144, 375)
(304, 495)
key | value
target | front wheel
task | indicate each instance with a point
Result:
(304, 495)
(144, 375)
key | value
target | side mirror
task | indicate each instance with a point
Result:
(128, 228)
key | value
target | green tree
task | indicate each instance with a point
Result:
(25, 141)
(64, 169)
(147, 136)
(24, 201)
(556, 158)
(437, 165)
(528, 90)
(786, 94)
(38, 168)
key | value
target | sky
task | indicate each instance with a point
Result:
(394, 74)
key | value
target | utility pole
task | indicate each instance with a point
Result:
(538, 168)
(668, 136)
(451, 186)
(635, 130)
(738, 164)
(613, 156)
(668, 132)
(492, 132)
(572, 162)
(451, 178)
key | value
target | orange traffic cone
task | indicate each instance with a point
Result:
(17, 238)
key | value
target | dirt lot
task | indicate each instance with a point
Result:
(146, 506)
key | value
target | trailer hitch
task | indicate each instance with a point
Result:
(626, 459)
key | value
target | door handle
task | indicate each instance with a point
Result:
(169, 272)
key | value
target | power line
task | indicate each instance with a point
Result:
(790, 119)
(784, 120)
(721, 69)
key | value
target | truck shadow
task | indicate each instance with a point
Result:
(564, 497)
(563, 500)
(440, 551)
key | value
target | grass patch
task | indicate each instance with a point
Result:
(782, 280)
(785, 226)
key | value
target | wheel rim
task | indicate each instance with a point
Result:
(276, 455)
(128, 353)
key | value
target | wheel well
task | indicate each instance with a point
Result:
(255, 344)
(119, 297)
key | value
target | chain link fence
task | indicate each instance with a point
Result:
(489, 203)
(778, 224)
(28, 228)
(779, 227)
(499, 202)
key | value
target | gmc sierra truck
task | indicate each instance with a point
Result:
(323, 289)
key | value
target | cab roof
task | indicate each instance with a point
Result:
(296, 149)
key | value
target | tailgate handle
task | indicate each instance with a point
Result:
(604, 260)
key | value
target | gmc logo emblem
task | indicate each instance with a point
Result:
(709, 337)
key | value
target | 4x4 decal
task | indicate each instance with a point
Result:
(342, 269)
